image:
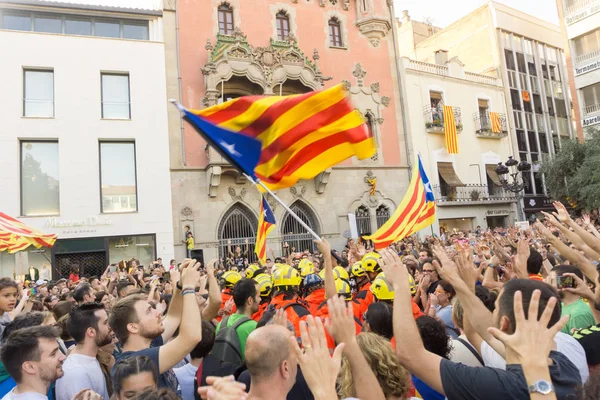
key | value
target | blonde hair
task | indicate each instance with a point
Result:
(391, 375)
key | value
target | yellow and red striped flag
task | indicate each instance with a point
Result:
(300, 136)
(495, 119)
(415, 212)
(450, 130)
(16, 236)
(266, 223)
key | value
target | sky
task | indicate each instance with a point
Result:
(445, 12)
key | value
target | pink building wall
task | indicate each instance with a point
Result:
(198, 23)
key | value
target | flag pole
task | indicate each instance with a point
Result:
(257, 182)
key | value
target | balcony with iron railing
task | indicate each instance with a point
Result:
(483, 126)
(471, 194)
(587, 57)
(579, 6)
(591, 110)
(434, 119)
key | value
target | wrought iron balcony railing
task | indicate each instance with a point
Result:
(483, 125)
(434, 119)
(470, 194)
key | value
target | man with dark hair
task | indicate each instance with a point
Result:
(246, 296)
(124, 288)
(534, 265)
(580, 315)
(142, 331)
(32, 358)
(458, 381)
(96, 284)
(88, 326)
(83, 293)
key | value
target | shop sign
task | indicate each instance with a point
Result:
(591, 121)
(587, 68)
(497, 212)
(69, 223)
(583, 14)
(538, 202)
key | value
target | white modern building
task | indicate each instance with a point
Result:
(581, 22)
(83, 133)
(466, 187)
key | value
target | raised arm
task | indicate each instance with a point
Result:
(409, 348)
(173, 318)
(214, 294)
(189, 332)
(325, 249)
(589, 239)
(572, 236)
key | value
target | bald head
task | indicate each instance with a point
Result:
(266, 349)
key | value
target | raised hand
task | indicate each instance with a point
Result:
(562, 214)
(190, 274)
(210, 267)
(395, 271)
(323, 246)
(223, 389)
(341, 320)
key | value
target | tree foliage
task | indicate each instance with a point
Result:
(573, 174)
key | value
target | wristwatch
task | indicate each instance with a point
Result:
(542, 387)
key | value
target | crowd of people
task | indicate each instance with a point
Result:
(509, 313)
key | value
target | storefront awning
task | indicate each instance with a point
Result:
(491, 172)
(446, 170)
(16, 236)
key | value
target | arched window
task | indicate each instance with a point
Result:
(237, 226)
(225, 19)
(383, 214)
(363, 220)
(283, 25)
(295, 234)
(335, 33)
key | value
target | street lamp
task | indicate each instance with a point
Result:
(514, 177)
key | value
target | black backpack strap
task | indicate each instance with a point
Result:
(240, 322)
(472, 350)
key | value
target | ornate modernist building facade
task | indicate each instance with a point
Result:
(219, 50)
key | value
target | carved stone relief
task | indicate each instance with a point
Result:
(235, 196)
(298, 194)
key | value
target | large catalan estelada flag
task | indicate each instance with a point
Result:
(266, 223)
(450, 130)
(415, 212)
(282, 139)
(16, 236)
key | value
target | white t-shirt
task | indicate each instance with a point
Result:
(461, 354)
(185, 375)
(565, 344)
(81, 372)
(24, 396)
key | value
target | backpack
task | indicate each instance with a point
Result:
(227, 345)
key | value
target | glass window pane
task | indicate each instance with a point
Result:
(115, 96)
(118, 179)
(47, 24)
(107, 29)
(39, 94)
(39, 178)
(135, 31)
(142, 248)
(17, 22)
(78, 27)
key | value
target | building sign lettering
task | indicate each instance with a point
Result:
(497, 212)
(89, 221)
(583, 14)
(590, 121)
(587, 68)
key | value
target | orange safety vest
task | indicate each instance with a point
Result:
(323, 313)
(295, 310)
(261, 310)
(364, 298)
(314, 300)
(226, 295)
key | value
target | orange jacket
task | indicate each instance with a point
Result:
(314, 300)
(364, 298)
(323, 313)
(261, 310)
(295, 311)
(226, 295)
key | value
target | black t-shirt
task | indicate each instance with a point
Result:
(165, 380)
(432, 287)
(461, 382)
(589, 339)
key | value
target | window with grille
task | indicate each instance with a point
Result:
(225, 19)
(335, 33)
(238, 228)
(363, 220)
(383, 214)
(283, 25)
(294, 233)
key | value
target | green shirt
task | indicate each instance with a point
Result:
(243, 330)
(580, 316)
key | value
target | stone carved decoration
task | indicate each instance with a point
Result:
(375, 87)
(346, 84)
(235, 196)
(296, 194)
(385, 101)
(266, 66)
(321, 181)
(186, 212)
(359, 73)
(374, 28)
(346, 4)
(208, 46)
(322, 3)
(372, 181)
(214, 179)
(272, 203)
(333, 2)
